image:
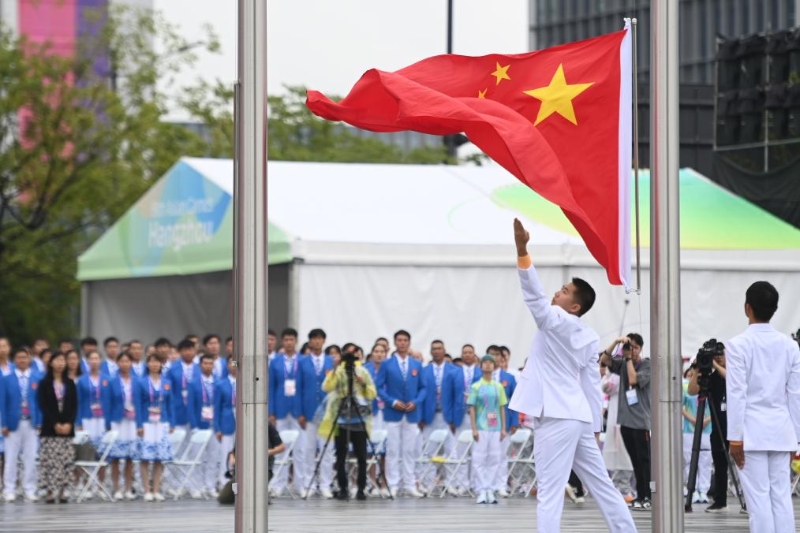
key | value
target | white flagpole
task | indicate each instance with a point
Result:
(665, 323)
(250, 269)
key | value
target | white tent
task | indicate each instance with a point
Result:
(363, 250)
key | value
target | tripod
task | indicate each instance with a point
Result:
(702, 400)
(348, 400)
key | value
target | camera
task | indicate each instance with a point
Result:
(627, 346)
(706, 354)
(349, 359)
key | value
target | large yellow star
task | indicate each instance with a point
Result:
(557, 97)
(501, 73)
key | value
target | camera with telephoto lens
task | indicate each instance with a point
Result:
(705, 356)
(627, 346)
(349, 359)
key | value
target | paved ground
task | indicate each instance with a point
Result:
(316, 516)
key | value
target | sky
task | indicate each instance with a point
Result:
(327, 44)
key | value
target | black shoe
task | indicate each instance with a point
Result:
(360, 496)
(341, 495)
(716, 508)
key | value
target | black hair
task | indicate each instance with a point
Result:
(505, 349)
(79, 370)
(289, 332)
(304, 348)
(437, 341)
(62, 341)
(155, 357)
(468, 346)
(762, 298)
(384, 339)
(21, 349)
(206, 356)
(126, 355)
(110, 340)
(492, 347)
(88, 341)
(229, 339)
(584, 295)
(186, 344)
(49, 375)
(635, 337)
(270, 331)
(402, 332)
(208, 338)
(162, 341)
(349, 347)
(457, 360)
(316, 332)
(137, 341)
(331, 348)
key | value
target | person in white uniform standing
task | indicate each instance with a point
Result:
(560, 389)
(763, 396)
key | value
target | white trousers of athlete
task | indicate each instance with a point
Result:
(767, 490)
(425, 471)
(225, 447)
(22, 441)
(463, 480)
(311, 442)
(208, 470)
(703, 461)
(485, 452)
(501, 470)
(281, 478)
(560, 445)
(401, 451)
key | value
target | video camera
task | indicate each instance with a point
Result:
(705, 356)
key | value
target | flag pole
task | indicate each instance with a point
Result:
(636, 154)
(665, 299)
(250, 269)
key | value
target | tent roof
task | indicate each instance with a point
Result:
(363, 213)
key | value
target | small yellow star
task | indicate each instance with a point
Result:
(501, 73)
(557, 97)
(482, 94)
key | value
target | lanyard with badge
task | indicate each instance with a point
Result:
(154, 410)
(631, 394)
(127, 393)
(185, 384)
(290, 384)
(94, 392)
(23, 390)
(491, 415)
(207, 411)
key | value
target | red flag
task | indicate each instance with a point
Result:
(558, 119)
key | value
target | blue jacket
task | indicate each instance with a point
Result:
(454, 390)
(224, 407)
(220, 367)
(392, 387)
(199, 398)
(429, 405)
(180, 401)
(310, 384)
(12, 408)
(114, 405)
(279, 405)
(509, 383)
(87, 395)
(162, 399)
(106, 369)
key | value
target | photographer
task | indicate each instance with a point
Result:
(719, 447)
(348, 417)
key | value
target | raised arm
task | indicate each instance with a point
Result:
(544, 313)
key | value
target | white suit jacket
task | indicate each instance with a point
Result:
(562, 376)
(763, 389)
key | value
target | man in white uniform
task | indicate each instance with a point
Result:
(560, 389)
(763, 395)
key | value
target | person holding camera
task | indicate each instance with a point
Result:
(634, 409)
(763, 393)
(719, 446)
(351, 391)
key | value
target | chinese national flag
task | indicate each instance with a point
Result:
(558, 119)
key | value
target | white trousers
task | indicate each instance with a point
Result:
(208, 471)
(304, 465)
(225, 447)
(282, 477)
(401, 450)
(22, 441)
(424, 471)
(485, 453)
(558, 446)
(501, 469)
(703, 463)
(767, 490)
(462, 474)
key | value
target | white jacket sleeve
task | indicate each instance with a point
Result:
(546, 315)
(590, 383)
(736, 389)
(793, 388)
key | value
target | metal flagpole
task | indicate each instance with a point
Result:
(250, 269)
(665, 324)
(635, 117)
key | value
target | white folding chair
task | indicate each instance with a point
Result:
(169, 480)
(455, 461)
(184, 467)
(431, 460)
(91, 469)
(520, 460)
(289, 438)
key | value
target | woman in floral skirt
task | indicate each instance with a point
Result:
(121, 417)
(154, 423)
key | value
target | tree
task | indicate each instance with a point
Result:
(75, 153)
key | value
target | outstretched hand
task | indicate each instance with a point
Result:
(521, 238)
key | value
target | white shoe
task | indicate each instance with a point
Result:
(490, 497)
(503, 493)
(326, 494)
(580, 500)
(118, 496)
(303, 494)
(197, 495)
(89, 495)
(384, 492)
(148, 496)
(276, 493)
(392, 491)
(414, 493)
(571, 493)
(481, 498)
(696, 497)
(213, 494)
(9, 498)
(31, 497)
(130, 496)
(158, 497)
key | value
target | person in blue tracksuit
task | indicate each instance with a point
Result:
(88, 345)
(225, 416)
(91, 417)
(119, 407)
(201, 415)
(155, 420)
(21, 419)
(312, 370)
(509, 383)
(455, 389)
(111, 347)
(401, 386)
(181, 375)
(284, 403)
(6, 367)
